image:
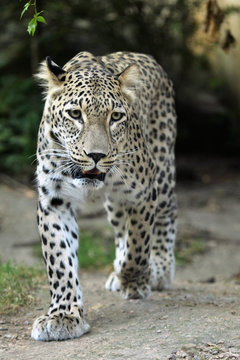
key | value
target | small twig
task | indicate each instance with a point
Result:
(37, 17)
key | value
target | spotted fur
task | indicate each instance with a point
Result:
(107, 134)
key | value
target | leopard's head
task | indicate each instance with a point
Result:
(87, 114)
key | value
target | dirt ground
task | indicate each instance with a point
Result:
(198, 318)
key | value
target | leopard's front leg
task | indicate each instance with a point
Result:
(59, 234)
(133, 229)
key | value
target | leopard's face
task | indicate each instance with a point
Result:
(89, 116)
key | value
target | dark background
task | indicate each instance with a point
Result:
(171, 30)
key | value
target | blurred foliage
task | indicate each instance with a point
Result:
(186, 249)
(160, 28)
(19, 117)
(95, 250)
(17, 284)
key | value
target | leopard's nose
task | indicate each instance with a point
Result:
(96, 156)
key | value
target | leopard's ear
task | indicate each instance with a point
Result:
(130, 79)
(50, 74)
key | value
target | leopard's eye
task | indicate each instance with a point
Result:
(116, 116)
(75, 114)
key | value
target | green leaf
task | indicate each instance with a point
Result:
(41, 19)
(38, 13)
(25, 8)
(32, 25)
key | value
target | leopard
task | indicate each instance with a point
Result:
(107, 136)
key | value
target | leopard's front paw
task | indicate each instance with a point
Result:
(113, 282)
(58, 327)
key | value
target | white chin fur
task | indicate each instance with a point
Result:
(88, 183)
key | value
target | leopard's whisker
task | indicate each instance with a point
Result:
(128, 152)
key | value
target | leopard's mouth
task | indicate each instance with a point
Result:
(93, 174)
